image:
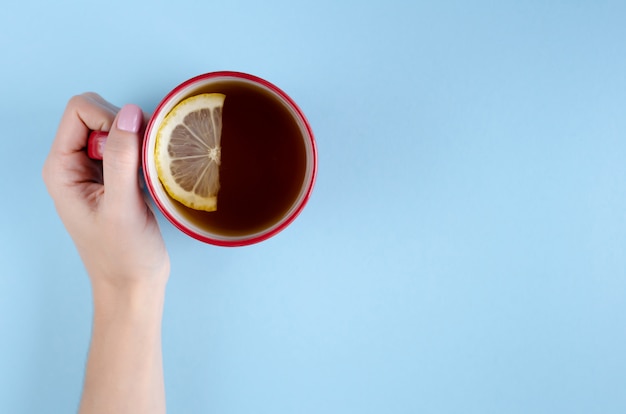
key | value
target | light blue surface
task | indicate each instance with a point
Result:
(465, 247)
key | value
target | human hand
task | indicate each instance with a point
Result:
(101, 203)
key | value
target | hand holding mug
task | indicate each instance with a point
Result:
(268, 161)
(101, 203)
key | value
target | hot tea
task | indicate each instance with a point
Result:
(263, 161)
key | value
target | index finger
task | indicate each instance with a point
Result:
(83, 113)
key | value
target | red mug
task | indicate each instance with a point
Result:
(268, 166)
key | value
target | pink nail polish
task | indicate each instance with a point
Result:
(130, 118)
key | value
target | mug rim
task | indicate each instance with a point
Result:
(234, 241)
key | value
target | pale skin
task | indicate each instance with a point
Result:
(120, 244)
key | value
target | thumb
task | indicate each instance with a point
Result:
(121, 157)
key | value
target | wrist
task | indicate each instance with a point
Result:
(136, 299)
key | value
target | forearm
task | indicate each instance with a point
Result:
(124, 369)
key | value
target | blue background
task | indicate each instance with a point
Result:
(464, 249)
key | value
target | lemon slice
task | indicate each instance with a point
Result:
(187, 151)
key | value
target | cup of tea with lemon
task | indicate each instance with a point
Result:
(229, 158)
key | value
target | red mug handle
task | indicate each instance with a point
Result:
(95, 144)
